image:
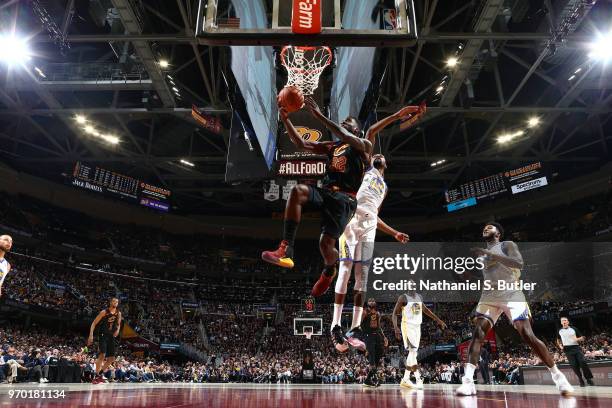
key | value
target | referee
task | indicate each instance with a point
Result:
(569, 337)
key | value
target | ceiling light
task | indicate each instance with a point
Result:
(571, 78)
(80, 119)
(578, 70)
(533, 122)
(439, 89)
(169, 77)
(13, 50)
(89, 129)
(39, 71)
(164, 63)
(452, 61)
(111, 139)
(187, 163)
(601, 49)
(504, 139)
(175, 89)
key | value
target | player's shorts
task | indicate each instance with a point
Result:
(411, 334)
(374, 345)
(357, 241)
(337, 209)
(513, 310)
(107, 345)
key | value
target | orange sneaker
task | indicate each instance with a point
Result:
(279, 257)
(322, 284)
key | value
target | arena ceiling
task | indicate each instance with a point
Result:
(516, 59)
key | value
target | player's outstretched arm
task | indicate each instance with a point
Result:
(362, 145)
(415, 111)
(399, 236)
(433, 316)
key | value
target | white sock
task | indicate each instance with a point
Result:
(357, 313)
(554, 370)
(469, 371)
(337, 318)
(417, 375)
(406, 375)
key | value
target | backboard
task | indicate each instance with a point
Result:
(301, 325)
(358, 23)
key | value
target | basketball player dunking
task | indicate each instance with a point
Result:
(109, 321)
(357, 242)
(6, 243)
(503, 262)
(336, 199)
(410, 306)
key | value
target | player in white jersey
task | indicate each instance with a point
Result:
(503, 262)
(410, 306)
(357, 242)
(6, 243)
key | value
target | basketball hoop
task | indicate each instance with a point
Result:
(305, 65)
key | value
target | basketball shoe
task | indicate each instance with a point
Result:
(281, 257)
(324, 282)
(467, 387)
(339, 340)
(354, 339)
(564, 387)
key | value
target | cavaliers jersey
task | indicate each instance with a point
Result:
(109, 322)
(4, 270)
(344, 169)
(412, 313)
(371, 322)
(372, 191)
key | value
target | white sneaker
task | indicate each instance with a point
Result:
(406, 383)
(562, 384)
(419, 384)
(467, 387)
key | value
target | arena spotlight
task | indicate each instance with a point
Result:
(110, 139)
(89, 129)
(164, 63)
(533, 122)
(187, 163)
(80, 119)
(601, 48)
(13, 50)
(452, 62)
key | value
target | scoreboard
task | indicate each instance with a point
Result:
(111, 183)
(504, 183)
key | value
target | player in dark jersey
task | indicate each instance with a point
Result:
(375, 340)
(348, 159)
(108, 323)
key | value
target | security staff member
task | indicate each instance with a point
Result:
(569, 337)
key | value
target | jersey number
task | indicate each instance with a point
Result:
(338, 164)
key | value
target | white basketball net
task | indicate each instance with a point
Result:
(305, 65)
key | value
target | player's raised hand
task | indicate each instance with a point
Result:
(311, 105)
(402, 237)
(407, 110)
(283, 113)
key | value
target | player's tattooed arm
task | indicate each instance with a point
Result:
(344, 135)
(397, 310)
(399, 236)
(415, 111)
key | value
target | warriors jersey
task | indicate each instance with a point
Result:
(412, 313)
(494, 272)
(4, 269)
(372, 192)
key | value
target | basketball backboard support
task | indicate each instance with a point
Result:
(302, 325)
(357, 23)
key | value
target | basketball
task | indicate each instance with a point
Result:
(291, 98)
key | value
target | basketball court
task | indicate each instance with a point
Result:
(273, 395)
(199, 113)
